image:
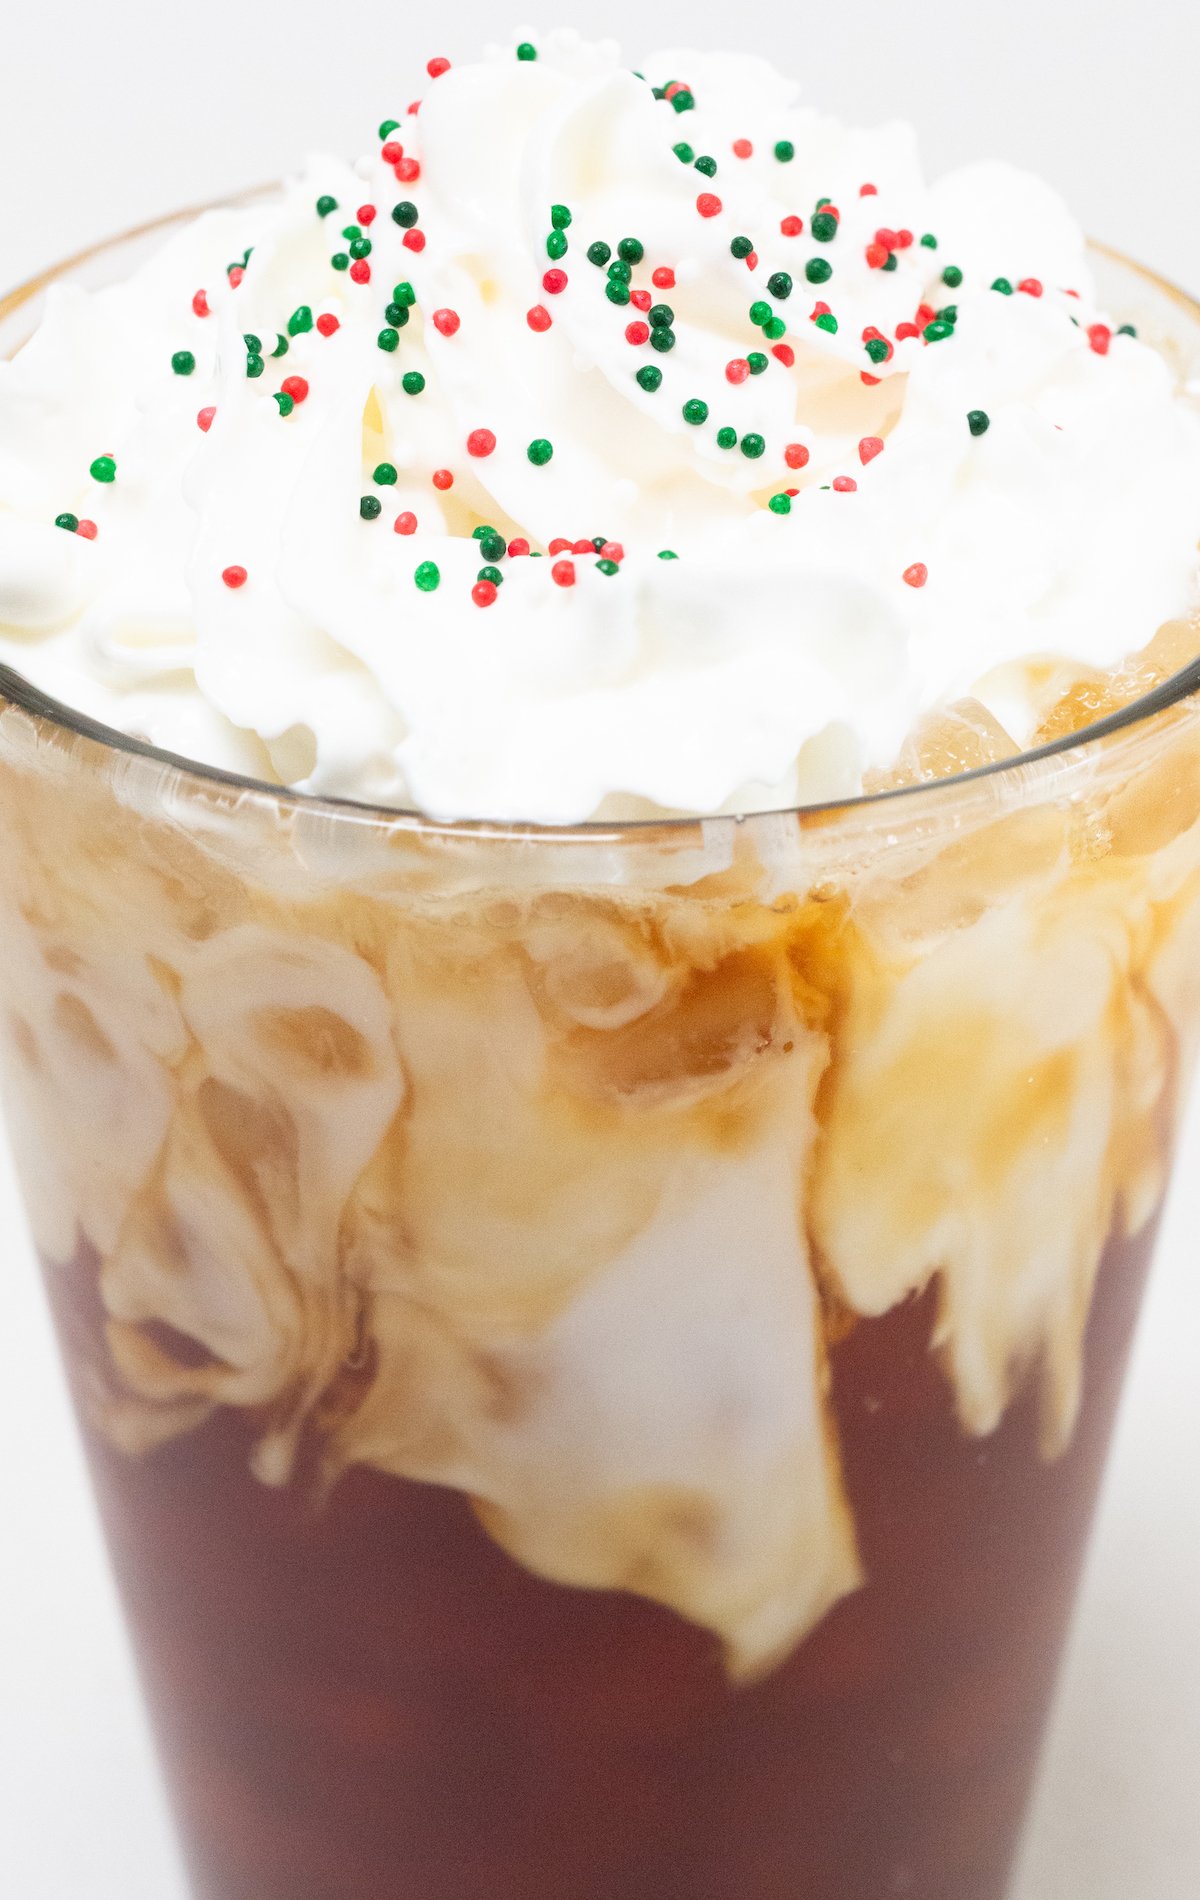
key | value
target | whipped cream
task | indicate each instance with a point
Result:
(750, 628)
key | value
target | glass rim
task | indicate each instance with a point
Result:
(18, 691)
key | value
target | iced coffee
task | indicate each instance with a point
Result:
(601, 790)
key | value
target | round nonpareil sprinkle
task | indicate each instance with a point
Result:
(234, 576)
(427, 576)
(978, 421)
(916, 575)
(540, 451)
(183, 362)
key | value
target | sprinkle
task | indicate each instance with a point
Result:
(683, 100)
(103, 469)
(1031, 286)
(1003, 286)
(845, 484)
(442, 478)
(785, 151)
(640, 299)
(296, 387)
(758, 362)
(616, 291)
(780, 505)
(587, 547)
(555, 281)
(366, 214)
(784, 353)
(360, 247)
(388, 339)
(340, 260)
(427, 576)
(1126, 329)
(868, 191)
(563, 573)
(879, 349)
(774, 328)
(68, 521)
(916, 575)
(281, 345)
(650, 377)
(392, 152)
(978, 421)
(412, 382)
(326, 204)
(825, 320)
(706, 165)
(436, 67)
(204, 418)
(560, 545)
(407, 171)
(328, 323)
(484, 593)
(637, 333)
(663, 278)
(607, 567)
(518, 545)
(667, 554)
(556, 244)
(538, 318)
(695, 411)
(818, 270)
(952, 277)
(791, 226)
(662, 337)
(869, 448)
(612, 551)
(824, 227)
(234, 576)
(620, 272)
(492, 545)
(183, 362)
(937, 331)
(286, 402)
(539, 451)
(386, 475)
(405, 523)
(742, 148)
(446, 322)
(741, 246)
(1099, 336)
(300, 320)
(412, 240)
(877, 256)
(631, 250)
(726, 438)
(87, 530)
(737, 370)
(753, 446)
(235, 274)
(200, 304)
(599, 253)
(708, 205)
(481, 442)
(796, 455)
(661, 314)
(780, 285)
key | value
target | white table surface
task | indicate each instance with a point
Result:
(147, 110)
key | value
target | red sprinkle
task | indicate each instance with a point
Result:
(480, 442)
(872, 382)
(785, 353)
(906, 329)
(327, 323)
(436, 67)
(405, 523)
(442, 478)
(236, 275)
(637, 333)
(819, 309)
(1032, 286)
(904, 240)
(205, 418)
(360, 270)
(869, 448)
(663, 278)
(296, 387)
(392, 152)
(612, 551)
(539, 317)
(446, 322)
(925, 314)
(414, 106)
(200, 304)
(791, 226)
(877, 256)
(518, 545)
(737, 370)
(868, 191)
(640, 299)
(709, 205)
(917, 574)
(582, 547)
(555, 282)
(413, 240)
(676, 85)
(887, 238)
(845, 484)
(1099, 336)
(234, 576)
(88, 530)
(796, 455)
(560, 545)
(563, 573)
(483, 593)
(742, 148)
(408, 170)
(365, 214)
(751, 260)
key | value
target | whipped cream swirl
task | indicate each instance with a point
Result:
(600, 444)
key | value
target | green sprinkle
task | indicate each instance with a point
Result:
(412, 382)
(695, 411)
(556, 244)
(650, 377)
(352, 231)
(69, 522)
(753, 446)
(780, 284)
(632, 250)
(741, 246)
(1126, 329)
(774, 329)
(598, 542)
(427, 577)
(340, 260)
(526, 50)
(300, 320)
(785, 151)
(492, 545)
(667, 554)
(780, 504)
(818, 270)
(822, 202)
(254, 366)
(103, 469)
(706, 165)
(827, 322)
(684, 152)
(560, 216)
(952, 277)
(949, 314)
(405, 214)
(485, 527)
(607, 567)
(978, 421)
(659, 314)
(758, 362)
(253, 343)
(599, 253)
(492, 574)
(935, 332)
(890, 262)
(540, 451)
(662, 337)
(727, 438)
(761, 313)
(360, 247)
(286, 403)
(616, 291)
(397, 315)
(370, 507)
(183, 362)
(388, 339)
(1003, 286)
(281, 345)
(823, 227)
(620, 270)
(683, 101)
(403, 293)
(389, 125)
(877, 349)
(386, 475)
(929, 241)
(326, 204)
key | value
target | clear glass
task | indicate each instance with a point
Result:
(597, 1347)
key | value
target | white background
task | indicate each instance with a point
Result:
(111, 112)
